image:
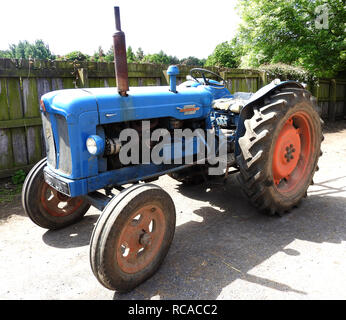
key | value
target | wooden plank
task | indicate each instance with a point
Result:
(6, 154)
(94, 83)
(30, 98)
(332, 101)
(14, 99)
(111, 82)
(4, 110)
(69, 83)
(6, 151)
(33, 133)
(133, 82)
(57, 84)
(19, 150)
(4, 173)
(19, 123)
(34, 143)
(43, 86)
(19, 147)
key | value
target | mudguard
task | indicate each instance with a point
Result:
(256, 98)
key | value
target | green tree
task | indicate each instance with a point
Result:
(25, 50)
(157, 58)
(5, 54)
(226, 54)
(307, 33)
(98, 56)
(76, 56)
(131, 57)
(161, 58)
(139, 55)
(109, 57)
(193, 61)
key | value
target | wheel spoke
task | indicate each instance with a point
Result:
(54, 201)
(145, 222)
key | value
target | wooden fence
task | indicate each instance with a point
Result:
(23, 82)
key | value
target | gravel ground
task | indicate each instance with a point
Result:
(222, 249)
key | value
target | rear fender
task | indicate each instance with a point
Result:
(256, 100)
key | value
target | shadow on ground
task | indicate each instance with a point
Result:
(231, 240)
(334, 126)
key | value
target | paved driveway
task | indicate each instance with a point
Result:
(222, 249)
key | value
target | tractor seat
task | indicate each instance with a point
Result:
(234, 104)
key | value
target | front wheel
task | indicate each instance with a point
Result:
(47, 207)
(280, 150)
(132, 237)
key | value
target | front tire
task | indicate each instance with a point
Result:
(280, 150)
(132, 237)
(47, 207)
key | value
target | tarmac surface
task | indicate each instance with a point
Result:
(222, 248)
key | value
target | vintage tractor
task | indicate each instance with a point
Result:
(272, 137)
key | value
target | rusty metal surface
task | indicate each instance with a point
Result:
(120, 59)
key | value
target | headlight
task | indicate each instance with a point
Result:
(95, 145)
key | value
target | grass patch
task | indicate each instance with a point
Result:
(9, 191)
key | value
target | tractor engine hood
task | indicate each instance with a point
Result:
(151, 102)
(140, 104)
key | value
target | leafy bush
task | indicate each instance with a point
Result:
(18, 177)
(287, 72)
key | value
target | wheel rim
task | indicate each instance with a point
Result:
(141, 238)
(292, 153)
(56, 203)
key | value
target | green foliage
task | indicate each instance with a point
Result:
(109, 57)
(40, 50)
(285, 31)
(18, 177)
(75, 56)
(26, 50)
(131, 57)
(139, 55)
(8, 192)
(98, 56)
(5, 54)
(226, 54)
(160, 58)
(193, 61)
(287, 72)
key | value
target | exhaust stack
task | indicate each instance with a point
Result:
(120, 59)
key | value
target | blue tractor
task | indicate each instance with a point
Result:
(272, 138)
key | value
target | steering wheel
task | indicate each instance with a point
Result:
(202, 72)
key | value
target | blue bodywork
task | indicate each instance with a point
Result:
(76, 114)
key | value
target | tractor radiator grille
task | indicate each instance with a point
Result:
(58, 146)
(49, 140)
(65, 161)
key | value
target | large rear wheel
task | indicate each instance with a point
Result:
(280, 150)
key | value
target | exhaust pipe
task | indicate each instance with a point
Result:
(120, 59)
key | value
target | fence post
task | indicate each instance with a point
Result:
(332, 100)
(263, 79)
(83, 80)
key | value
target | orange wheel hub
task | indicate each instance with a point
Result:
(292, 152)
(141, 239)
(58, 204)
(286, 152)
